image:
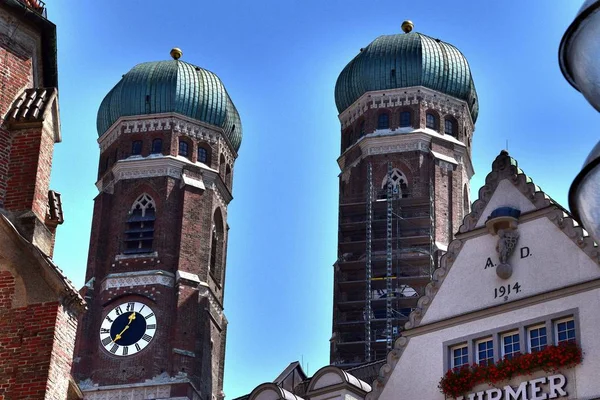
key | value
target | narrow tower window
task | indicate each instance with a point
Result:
(136, 148)
(430, 121)
(183, 148)
(383, 121)
(228, 176)
(216, 247)
(140, 226)
(202, 155)
(449, 127)
(405, 119)
(156, 146)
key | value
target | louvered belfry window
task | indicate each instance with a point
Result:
(140, 226)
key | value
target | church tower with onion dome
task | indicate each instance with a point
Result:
(407, 107)
(169, 135)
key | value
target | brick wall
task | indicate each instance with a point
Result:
(29, 171)
(35, 347)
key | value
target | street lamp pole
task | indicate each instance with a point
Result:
(579, 59)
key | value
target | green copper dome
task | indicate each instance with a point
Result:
(172, 86)
(404, 60)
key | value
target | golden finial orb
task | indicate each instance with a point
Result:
(407, 26)
(176, 53)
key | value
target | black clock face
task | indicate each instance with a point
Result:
(128, 328)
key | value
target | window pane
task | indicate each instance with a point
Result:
(157, 146)
(202, 155)
(383, 121)
(537, 339)
(511, 345)
(405, 119)
(136, 147)
(460, 356)
(183, 148)
(448, 127)
(430, 121)
(485, 352)
(565, 331)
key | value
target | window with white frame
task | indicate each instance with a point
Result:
(485, 351)
(537, 338)
(460, 355)
(509, 341)
(511, 345)
(564, 330)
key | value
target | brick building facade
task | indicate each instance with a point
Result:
(39, 307)
(156, 266)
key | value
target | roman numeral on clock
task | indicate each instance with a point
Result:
(108, 319)
(137, 347)
(149, 315)
(118, 310)
(114, 348)
(125, 350)
(147, 338)
(106, 341)
(104, 330)
(130, 306)
(151, 326)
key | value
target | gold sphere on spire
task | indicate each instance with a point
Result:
(176, 53)
(407, 26)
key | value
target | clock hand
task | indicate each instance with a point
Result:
(119, 335)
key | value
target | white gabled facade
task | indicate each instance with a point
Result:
(470, 312)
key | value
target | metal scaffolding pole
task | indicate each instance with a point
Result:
(431, 229)
(389, 257)
(368, 295)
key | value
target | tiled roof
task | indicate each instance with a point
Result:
(31, 105)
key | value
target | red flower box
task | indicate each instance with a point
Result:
(458, 381)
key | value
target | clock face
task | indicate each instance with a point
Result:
(128, 328)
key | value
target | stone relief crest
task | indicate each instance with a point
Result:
(507, 242)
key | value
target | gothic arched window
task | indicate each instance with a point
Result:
(430, 121)
(215, 263)
(398, 181)
(405, 119)
(140, 226)
(383, 121)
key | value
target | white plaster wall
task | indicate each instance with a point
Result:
(554, 262)
(505, 195)
(420, 368)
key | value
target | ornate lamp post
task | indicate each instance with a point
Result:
(579, 58)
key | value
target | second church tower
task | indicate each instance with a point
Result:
(407, 107)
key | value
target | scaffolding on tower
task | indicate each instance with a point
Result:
(389, 258)
(369, 275)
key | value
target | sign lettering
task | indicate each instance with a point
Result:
(550, 387)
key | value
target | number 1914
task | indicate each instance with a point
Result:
(506, 290)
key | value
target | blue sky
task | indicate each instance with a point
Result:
(279, 61)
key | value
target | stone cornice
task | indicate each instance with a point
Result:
(169, 121)
(401, 141)
(138, 278)
(400, 97)
(136, 167)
